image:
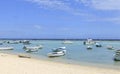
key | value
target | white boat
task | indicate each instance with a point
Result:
(58, 49)
(67, 42)
(110, 47)
(98, 45)
(117, 55)
(25, 42)
(32, 48)
(6, 48)
(13, 42)
(89, 47)
(57, 52)
(89, 42)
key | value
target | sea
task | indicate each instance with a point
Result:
(77, 53)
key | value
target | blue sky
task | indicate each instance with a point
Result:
(60, 19)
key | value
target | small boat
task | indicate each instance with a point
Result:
(89, 42)
(6, 48)
(57, 52)
(98, 45)
(32, 48)
(24, 56)
(59, 49)
(110, 47)
(89, 47)
(25, 42)
(117, 56)
(13, 42)
(67, 42)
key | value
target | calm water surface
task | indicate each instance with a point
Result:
(76, 52)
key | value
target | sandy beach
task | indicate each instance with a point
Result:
(12, 64)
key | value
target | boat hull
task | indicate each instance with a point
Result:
(117, 55)
(117, 58)
(55, 55)
(6, 48)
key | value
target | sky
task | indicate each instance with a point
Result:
(60, 19)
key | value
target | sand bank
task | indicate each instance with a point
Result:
(12, 64)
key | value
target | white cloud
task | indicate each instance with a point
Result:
(64, 5)
(57, 4)
(68, 6)
(102, 4)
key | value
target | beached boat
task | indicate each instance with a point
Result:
(24, 56)
(57, 52)
(6, 48)
(117, 55)
(32, 48)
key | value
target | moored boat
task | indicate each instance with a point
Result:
(57, 52)
(12, 42)
(89, 47)
(6, 48)
(89, 42)
(98, 45)
(67, 42)
(25, 42)
(32, 48)
(117, 56)
(110, 47)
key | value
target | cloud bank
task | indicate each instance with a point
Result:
(102, 4)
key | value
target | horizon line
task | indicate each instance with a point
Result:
(56, 39)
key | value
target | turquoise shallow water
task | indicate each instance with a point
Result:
(76, 52)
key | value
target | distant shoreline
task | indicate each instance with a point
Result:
(57, 39)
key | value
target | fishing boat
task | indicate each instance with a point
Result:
(57, 52)
(6, 48)
(117, 56)
(32, 48)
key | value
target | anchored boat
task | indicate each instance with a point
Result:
(6, 48)
(117, 55)
(32, 48)
(67, 42)
(57, 52)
